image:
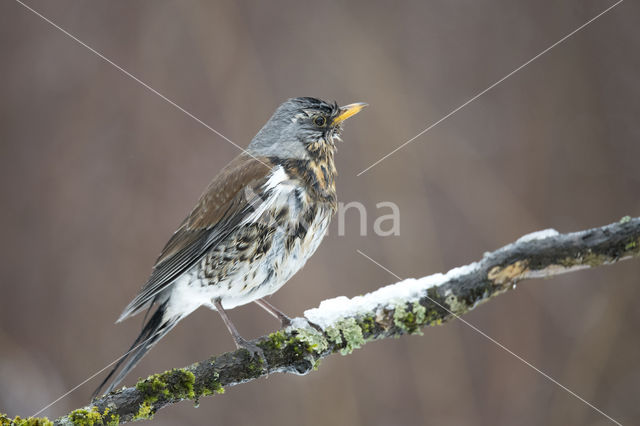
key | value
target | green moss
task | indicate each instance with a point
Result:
(84, 417)
(410, 321)
(316, 364)
(275, 340)
(209, 391)
(29, 421)
(113, 420)
(212, 390)
(282, 341)
(405, 320)
(367, 324)
(296, 346)
(625, 219)
(347, 334)
(433, 317)
(255, 366)
(152, 388)
(631, 245)
(146, 411)
(80, 417)
(211, 387)
(176, 384)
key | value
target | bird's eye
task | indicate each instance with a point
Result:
(319, 121)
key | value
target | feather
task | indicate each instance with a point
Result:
(227, 201)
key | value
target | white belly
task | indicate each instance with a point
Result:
(284, 265)
(266, 275)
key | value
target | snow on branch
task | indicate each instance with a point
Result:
(343, 324)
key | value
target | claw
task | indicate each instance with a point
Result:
(254, 350)
(316, 326)
(299, 323)
(286, 322)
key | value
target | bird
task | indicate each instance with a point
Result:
(256, 224)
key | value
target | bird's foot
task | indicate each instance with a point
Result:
(303, 323)
(254, 351)
(316, 326)
(286, 321)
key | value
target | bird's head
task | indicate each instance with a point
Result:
(302, 128)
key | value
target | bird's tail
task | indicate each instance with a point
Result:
(154, 330)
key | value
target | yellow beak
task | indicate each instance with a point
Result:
(348, 111)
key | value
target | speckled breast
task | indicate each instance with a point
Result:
(261, 256)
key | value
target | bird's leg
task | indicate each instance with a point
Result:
(284, 319)
(240, 341)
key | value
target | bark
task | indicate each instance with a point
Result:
(299, 348)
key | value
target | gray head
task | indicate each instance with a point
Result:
(301, 127)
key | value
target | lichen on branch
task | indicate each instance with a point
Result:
(343, 324)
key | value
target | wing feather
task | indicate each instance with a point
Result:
(227, 201)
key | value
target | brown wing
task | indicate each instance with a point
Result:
(229, 198)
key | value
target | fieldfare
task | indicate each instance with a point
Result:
(254, 227)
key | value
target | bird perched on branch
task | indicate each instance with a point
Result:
(254, 227)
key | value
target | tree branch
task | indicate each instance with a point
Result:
(397, 309)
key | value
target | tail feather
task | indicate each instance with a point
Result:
(154, 330)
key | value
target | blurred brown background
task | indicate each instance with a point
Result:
(96, 172)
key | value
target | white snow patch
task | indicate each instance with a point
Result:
(410, 290)
(538, 235)
(299, 323)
